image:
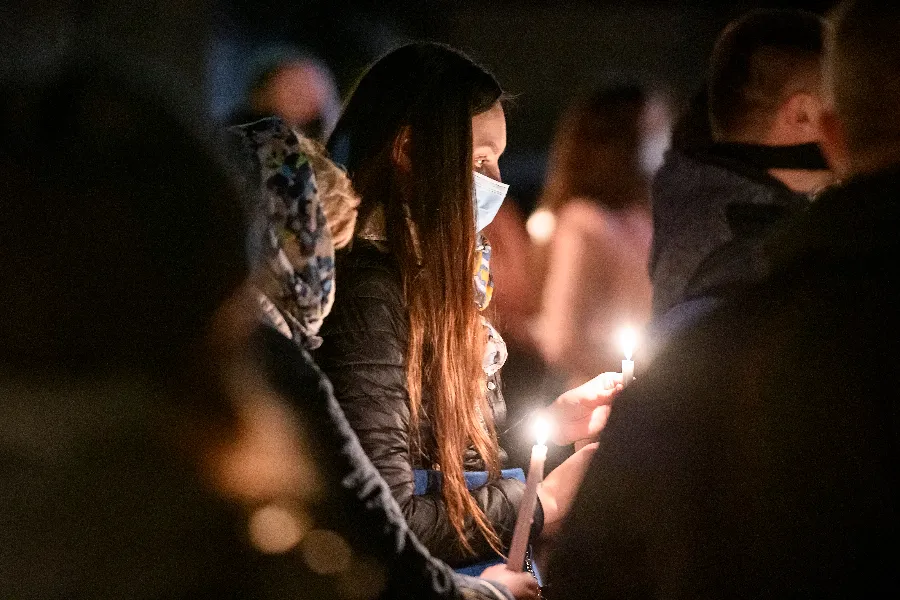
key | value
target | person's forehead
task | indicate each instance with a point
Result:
(489, 129)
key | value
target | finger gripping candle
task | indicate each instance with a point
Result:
(519, 543)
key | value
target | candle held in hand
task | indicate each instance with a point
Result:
(627, 338)
(519, 545)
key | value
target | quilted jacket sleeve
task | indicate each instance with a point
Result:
(364, 355)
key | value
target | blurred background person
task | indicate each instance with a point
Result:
(527, 380)
(516, 299)
(714, 203)
(296, 87)
(597, 222)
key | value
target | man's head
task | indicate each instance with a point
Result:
(861, 123)
(765, 79)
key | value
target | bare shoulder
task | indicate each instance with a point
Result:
(583, 216)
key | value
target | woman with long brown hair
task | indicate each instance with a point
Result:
(413, 362)
(597, 204)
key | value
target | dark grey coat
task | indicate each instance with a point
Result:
(710, 214)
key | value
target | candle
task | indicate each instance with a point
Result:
(522, 531)
(627, 338)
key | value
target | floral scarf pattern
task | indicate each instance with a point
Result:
(495, 353)
(290, 233)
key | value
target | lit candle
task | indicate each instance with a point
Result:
(627, 338)
(522, 531)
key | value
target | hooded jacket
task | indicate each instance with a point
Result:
(711, 213)
(293, 255)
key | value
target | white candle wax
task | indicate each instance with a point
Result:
(628, 338)
(627, 372)
(525, 517)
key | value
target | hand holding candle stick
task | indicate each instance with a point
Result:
(535, 475)
(580, 413)
(627, 340)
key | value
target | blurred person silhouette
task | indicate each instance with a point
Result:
(596, 204)
(121, 236)
(294, 86)
(758, 457)
(303, 209)
(714, 203)
(515, 302)
(527, 379)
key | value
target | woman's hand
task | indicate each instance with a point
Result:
(558, 490)
(522, 585)
(581, 413)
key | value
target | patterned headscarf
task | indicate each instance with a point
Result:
(290, 242)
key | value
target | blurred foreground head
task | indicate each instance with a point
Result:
(862, 124)
(120, 233)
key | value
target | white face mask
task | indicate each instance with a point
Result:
(489, 195)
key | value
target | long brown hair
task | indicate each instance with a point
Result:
(596, 152)
(430, 92)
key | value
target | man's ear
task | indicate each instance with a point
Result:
(799, 118)
(400, 150)
(834, 143)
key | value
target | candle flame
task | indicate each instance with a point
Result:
(627, 339)
(541, 430)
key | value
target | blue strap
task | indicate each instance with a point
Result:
(478, 568)
(428, 481)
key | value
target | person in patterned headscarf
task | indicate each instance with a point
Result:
(302, 205)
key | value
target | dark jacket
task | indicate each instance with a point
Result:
(769, 468)
(364, 356)
(355, 502)
(711, 211)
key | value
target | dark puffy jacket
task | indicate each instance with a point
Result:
(355, 502)
(364, 356)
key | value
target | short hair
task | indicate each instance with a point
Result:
(758, 62)
(863, 67)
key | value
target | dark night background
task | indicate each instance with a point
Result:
(545, 53)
